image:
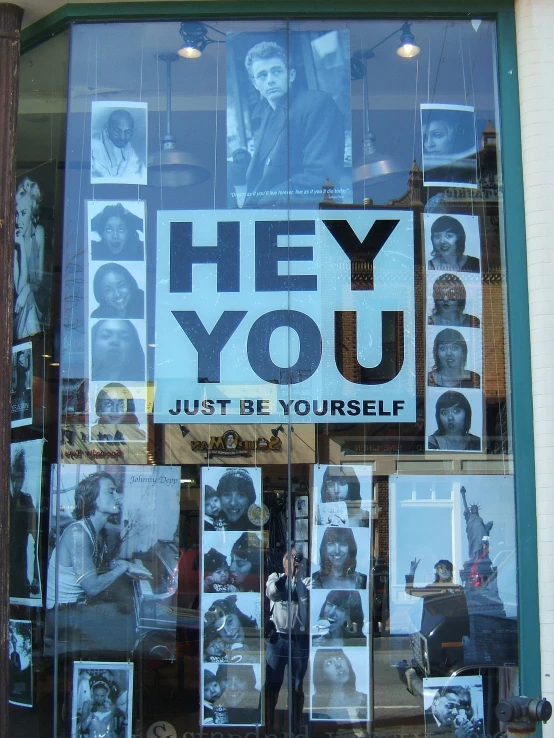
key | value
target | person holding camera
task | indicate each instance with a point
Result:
(288, 593)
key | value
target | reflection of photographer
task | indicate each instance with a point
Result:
(288, 593)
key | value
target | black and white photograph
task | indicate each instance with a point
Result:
(301, 506)
(118, 142)
(25, 505)
(232, 561)
(454, 420)
(449, 145)
(452, 243)
(231, 498)
(342, 495)
(454, 300)
(114, 549)
(340, 684)
(454, 358)
(102, 699)
(340, 557)
(453, 706)
(22, 385)
(117, 290)
(117, 350)
(117, 412)
(35, 196)
(116, 230)
(232, 694)
(20, 663)
(289, 131)
(339, 618)
(236, 620)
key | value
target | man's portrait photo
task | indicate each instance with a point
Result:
(453, 706)
(118, 142)
(448, 145)
(288, 119)
(25, 503)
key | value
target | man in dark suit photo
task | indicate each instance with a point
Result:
(300, 141)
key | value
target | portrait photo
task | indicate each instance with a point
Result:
(117, 290)
(449, 145)
(340, 557)
(119, 135)
(342, 495)
(117, 350)
(115, 230)
(25, 505)
(339, 684)
(231, 498)
(231, 694)
(454, 300)
(453, 706)
(20, 663)
(454, 357)
(117, 412)
(22, 385)
(339, 618)
(231, 627)
(289, 131)
(454, 420)
(452, 243)
(102, 699)
(232, 561)
(118, 528)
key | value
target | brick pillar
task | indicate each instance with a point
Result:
(10, 24)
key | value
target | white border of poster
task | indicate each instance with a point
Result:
(452, 162)
(32, 487)
(104, 151)
(460, 688)
(82, 690)
(237, 322)
(22, 403)
(20, 659)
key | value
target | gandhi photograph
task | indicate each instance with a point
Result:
(288, 119)
(118, 142)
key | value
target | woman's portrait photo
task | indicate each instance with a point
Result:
(340, 620)
(118, 142)
(447, 299)
(120, 413)
(117, 354)
(22, 385)
(337, 680)
(340, 500)
(450, 357)
(447, 243)
(338, 558)
(31, 286)
(102, 699)
(236, 619)
(231, 498)
(454, 418)
(116, 231)
(448, 145)
(116, 291)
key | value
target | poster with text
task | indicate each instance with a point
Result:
(22, 385)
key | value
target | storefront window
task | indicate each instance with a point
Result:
(281, 495)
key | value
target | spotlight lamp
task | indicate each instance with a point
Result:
(408, 47)
(195, 39)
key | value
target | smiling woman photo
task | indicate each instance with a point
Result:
(448, 239)
(337, 558)
(117, 293)
(450, 357)
(453, 415)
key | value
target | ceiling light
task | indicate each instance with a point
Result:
(408, 48)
